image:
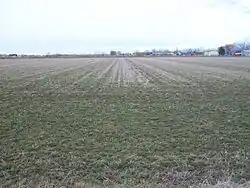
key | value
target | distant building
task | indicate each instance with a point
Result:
(2, 56)
(211, 53)
(139, 54)
(178, 53)
(113, 53)
(246, 53)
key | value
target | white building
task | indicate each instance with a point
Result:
(211, 53)
(245, 53)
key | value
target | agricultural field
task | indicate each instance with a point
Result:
(125, 122)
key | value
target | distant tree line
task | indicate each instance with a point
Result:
(232, 49)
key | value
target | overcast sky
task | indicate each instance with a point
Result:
(80, 26)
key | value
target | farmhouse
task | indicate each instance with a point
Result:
(211, 53)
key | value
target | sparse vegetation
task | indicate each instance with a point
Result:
(160, 122)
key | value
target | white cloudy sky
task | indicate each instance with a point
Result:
(78, 26)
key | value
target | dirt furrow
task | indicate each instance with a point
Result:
(157, 75)
(47, 78)
(103, 77)
(207, 67)
(136, 74)
(19, 75)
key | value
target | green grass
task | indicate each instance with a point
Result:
(169, 135)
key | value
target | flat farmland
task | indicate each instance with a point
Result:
(124, 122)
